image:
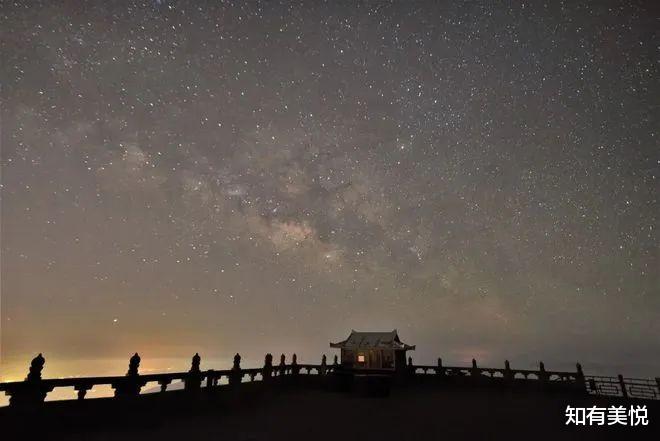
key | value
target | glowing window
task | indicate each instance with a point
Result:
(360, 358)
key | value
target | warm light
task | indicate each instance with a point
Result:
(361, 358)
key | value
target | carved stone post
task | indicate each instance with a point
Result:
(194, 380)
(36, 366)
(335, 361)
(236, 375)
(131, 384)
(267, 371)
(543, 375)
(324, 365)
(32, 392)
(622, 385)
(508, 374)
(440, 370)
(295, 369)
(475, 371)
(282, 364)
(411, 368)
(133, 365)
(579, 378)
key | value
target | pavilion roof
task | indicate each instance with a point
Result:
(373, 340)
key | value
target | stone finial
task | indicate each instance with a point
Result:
(282, 360)
(439, 362)
(237, 362)
(324, 360)
(196, 361)
(541, 366)
(579, 377)
(194, 380)
(36, 366)
(507, 365)
(133, 365)
(335, 361)
(267, 371)
(409, 361)
(474, 363)
(295, 369)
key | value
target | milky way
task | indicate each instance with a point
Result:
(252, 177)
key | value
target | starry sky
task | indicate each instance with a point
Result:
(260, 177)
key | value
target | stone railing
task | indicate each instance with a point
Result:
(33, 391)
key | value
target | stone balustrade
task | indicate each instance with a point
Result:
(33, 391)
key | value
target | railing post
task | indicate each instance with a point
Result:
(335, 361)
(131, 384)
(579, 378)
(324, 365)
(236, 375)
(508, 373)
(657, 382)
(36, 366)
(267, 371)
(543, 375)
(475, 371)
(411, 368)
(295, 369)
(440, 369)
(194, 380)
(32, 392)
(622, 385)
(282, 364)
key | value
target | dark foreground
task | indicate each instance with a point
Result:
(290, 412)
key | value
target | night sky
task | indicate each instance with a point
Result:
(251, 177)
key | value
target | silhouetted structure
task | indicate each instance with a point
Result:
(32, 392)
(373, 350)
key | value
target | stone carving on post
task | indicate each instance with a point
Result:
(133, 365)
(579, 378)
(267, 371)
(32, 392)
(282, 364)
(324, 365)
(335, 361)
(475, 371)
(440, 370)
(236, 375)
(295, 369)
(194, 380)
(508, 373)
(543, 375)
(411, 368)
(36, 366)
(131, 384)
